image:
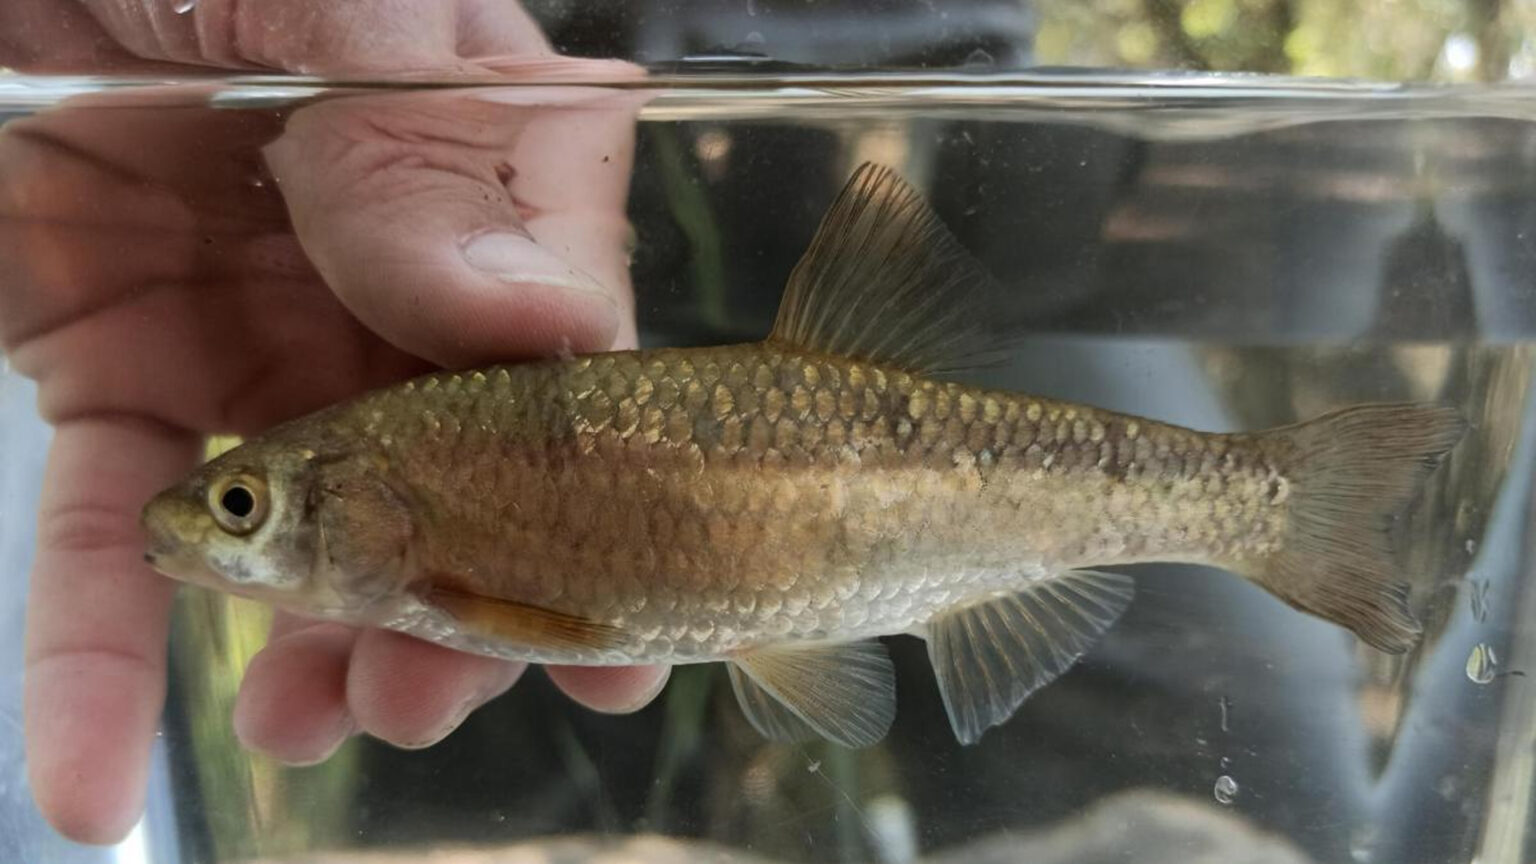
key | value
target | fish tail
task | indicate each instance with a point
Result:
(1352, 474)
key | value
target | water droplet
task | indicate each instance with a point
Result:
(1225, 707)
(1481, 663)
(182, 7)
(1226, 762)
(754, 38)
(1226, 789)
(1471, 546)
(751, 8)
(979, 57)
(813, 766)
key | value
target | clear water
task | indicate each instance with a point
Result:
(1226, 254)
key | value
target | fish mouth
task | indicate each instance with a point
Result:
(158, 549)
(164, 549)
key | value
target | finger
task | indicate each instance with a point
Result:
(97, 619)
(488, 28)
(413, 693)
(573, 184)
(597, 243)
(50, 37)
(294, 35)
(611, 689)
(117, 248)
(293, 701)
(151, 29)
(284, 623)
(360, 36)
(402, 204)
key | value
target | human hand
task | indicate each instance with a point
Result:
(177, 270)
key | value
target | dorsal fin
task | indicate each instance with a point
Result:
(884, 281)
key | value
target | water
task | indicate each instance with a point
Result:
(1227, 254)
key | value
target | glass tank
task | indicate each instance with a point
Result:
(1225, 252)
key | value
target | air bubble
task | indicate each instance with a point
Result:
(1482, 663)
(1226, 789)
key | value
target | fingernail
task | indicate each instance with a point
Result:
(455, 720)
(652, 692)
(517, 258)
(346, 727)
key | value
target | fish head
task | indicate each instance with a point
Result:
(253, 521)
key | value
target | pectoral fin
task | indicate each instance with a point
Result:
(845, 693)
(990, 656)
(520, 623)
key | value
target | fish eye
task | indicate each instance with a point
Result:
(238, 503)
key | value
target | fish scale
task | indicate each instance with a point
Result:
(787, 494)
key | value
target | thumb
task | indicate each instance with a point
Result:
(405, 204)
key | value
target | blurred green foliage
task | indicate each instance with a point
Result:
(248, 803)
(1441, 41)
(245, 803)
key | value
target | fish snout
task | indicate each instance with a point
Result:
(159, 520)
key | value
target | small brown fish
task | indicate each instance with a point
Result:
(779, 505)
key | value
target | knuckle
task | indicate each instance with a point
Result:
(84, 527)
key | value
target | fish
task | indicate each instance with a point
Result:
(783, 505)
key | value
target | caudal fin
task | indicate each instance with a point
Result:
(1352, 474)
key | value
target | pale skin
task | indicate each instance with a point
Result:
(363, 262)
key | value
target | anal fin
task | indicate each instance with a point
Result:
(989, 657)
(843, 692)
(765, 712)
(521, 623)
